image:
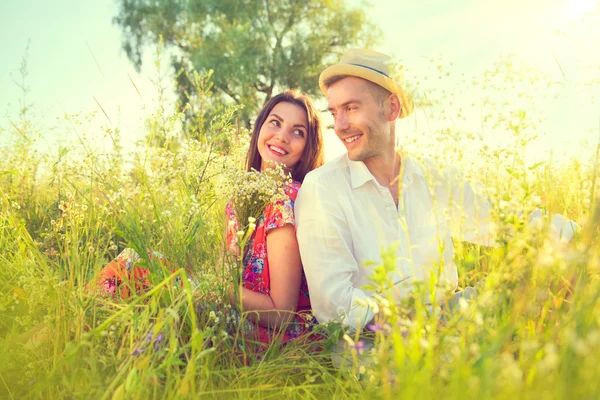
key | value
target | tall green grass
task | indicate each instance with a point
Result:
(532, 332)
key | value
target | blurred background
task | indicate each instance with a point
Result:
(476, 68)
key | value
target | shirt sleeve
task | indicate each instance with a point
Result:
(462, 204)
(561, 228)
(279, 214)
(329, 265)
(470, 213)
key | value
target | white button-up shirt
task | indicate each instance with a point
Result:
(345, 220)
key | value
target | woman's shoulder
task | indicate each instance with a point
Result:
(291, 189)
(281, 212)
(285, 202)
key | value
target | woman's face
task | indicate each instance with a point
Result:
(282, 137)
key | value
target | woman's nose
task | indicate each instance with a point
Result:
(283, 135)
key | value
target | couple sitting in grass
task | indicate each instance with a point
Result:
(333, 222)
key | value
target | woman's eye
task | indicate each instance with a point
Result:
(298, 132)
(275, 122)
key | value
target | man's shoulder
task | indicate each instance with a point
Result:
(330, 173)
(426, 167)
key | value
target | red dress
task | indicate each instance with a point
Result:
(256, 276)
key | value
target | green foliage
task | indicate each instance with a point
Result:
(255, 47)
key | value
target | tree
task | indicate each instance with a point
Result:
(255, 47)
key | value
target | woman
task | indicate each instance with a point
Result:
(287, 131)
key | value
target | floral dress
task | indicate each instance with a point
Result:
(125, 274)
(256, 275)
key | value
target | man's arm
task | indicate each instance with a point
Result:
(471, 213)
(327, 256)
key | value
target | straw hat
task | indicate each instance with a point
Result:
(372, 66)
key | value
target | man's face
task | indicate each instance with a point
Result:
(359, 119)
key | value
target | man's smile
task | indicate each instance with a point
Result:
(352, 138)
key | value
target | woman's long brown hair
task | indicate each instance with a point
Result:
(312, 156)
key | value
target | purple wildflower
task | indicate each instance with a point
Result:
(358, 346)
(158, 341)
(375, 327)
(137, 352)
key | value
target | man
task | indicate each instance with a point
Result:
(373, 199)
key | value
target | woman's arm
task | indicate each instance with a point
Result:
(285, 273)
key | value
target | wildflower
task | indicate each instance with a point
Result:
(251, 191)
(158, 341)
(375, 327)
(137, 352)
(463, 305)
(503, 205)
(373, 305)
(358, 346)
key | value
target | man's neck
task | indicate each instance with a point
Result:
(385, 167)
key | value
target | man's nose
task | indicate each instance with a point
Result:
(341, 123)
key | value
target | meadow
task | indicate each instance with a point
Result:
(533, 331)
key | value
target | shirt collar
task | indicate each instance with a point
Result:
(360, 174)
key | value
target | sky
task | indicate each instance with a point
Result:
(76, 64)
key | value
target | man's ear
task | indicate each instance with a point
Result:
(394, 107)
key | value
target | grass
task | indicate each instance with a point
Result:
(532, 332)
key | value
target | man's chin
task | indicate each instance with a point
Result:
(355, 156)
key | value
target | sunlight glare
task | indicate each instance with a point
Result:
(577, 8)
